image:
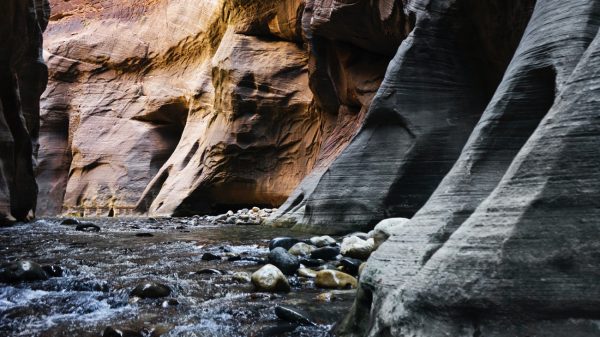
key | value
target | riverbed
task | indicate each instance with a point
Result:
(100, 269)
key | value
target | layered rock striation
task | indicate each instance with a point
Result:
(23, 77)
(506, 245)
(434, 91)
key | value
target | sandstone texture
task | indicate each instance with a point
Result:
(435, 89)
(507, 243)
(185, 107)
(23, 77)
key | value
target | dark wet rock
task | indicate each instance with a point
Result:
(87, 227)
(225, 249)
(170, 303)
(209, 271)
(113, 332)
(257, 260)
(90, 285)
(151, 290)
(234, 258)
(53, 270)
(312, 262)
(351, 266)
(270, 278)
(325, 253)
(23, 271)
(210, 257)
(69, 222)
(278, 330)
(144, 235)
(283, 260)
(284, 242)
(292, 315)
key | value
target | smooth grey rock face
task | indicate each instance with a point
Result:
(434, 91)
(507, 244)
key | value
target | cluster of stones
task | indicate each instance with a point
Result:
(253, 216)
(331, 264)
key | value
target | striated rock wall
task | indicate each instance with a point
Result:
(506, 245)
(435, 89)
(23, 77)
(200, 106)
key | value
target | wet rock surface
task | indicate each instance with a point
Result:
(99, 271)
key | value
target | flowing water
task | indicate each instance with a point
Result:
(101, 269)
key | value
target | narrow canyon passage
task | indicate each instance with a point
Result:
(351, 168)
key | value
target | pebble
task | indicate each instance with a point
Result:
(311, 262)
(70, 221)
(150, 290)
(53, 271)
(112, 332)
(357, 248)
(305, 272)
(242, 277)
(351, 266)
(335, 280)
(87, 227)
(301, 249)
(322, 241)
(170, 303)
(283, 260)
(325, 253)
(210, 257)
(144, 235)
(385, 228)
(269, 278)
(209, 271)
(292, 315)
(284, 242)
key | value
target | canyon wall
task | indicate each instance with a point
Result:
(435, 89)
(23, 77)
(507, 244)
(186, 107)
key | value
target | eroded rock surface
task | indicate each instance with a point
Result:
(202, 106)
(23, 77)
(434, 91)
(506, 244)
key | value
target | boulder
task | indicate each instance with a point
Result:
(301, 249)
(325, 253)
(385, 228)
(334, 279)
(270, 279)
(23, 271)
(322, 241)
(284, 242)
(283, 260)
(356, 247)
(151, 290)
(292, 315)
